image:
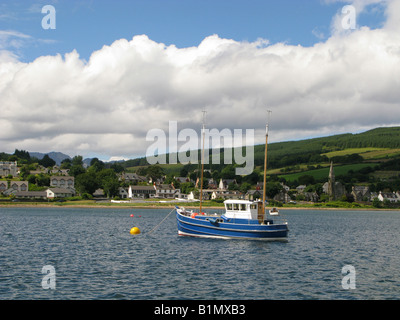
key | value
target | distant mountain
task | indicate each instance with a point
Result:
(86, 161)
(56, 156)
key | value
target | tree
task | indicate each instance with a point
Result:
(376, 203)
(108, 180)
(306, 179)
(76, 170)
(86, 182)
(272, 189)
(117, 167)
(245, 187)
(47, 162)
(96, 165)
(66, 164)
(111, 186)
(154, 172)
(228, 172)
(42, 180)
(187, 187)
(22, 154)
(24, 172)
(77, 161)
(76, 166)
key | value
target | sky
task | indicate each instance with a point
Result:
(93, 78)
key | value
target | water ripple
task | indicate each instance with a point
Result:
(95, 257)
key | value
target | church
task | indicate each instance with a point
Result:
(334, 189)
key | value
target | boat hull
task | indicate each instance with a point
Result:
(204, 227)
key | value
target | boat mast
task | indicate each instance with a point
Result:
(265, 158)
(202, 159)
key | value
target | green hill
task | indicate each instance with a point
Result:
(372, 145)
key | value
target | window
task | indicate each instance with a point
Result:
(242, 207)
(235, 206)
(253, 206)
(229, 206)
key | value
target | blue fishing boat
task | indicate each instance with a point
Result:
(242, 219)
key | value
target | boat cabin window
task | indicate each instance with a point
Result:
(237, 206)
(253, 206)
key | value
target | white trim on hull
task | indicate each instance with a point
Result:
(185, 234)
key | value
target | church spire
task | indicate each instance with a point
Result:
(331, 184)
(331, 173)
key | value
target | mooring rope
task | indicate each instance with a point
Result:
(160, 222)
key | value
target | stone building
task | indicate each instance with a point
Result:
(7, 168)
(334, 189)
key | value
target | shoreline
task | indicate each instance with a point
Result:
(149, 206)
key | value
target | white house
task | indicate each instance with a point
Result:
(391, 196)
(224, 194)
(59, 193)
(167, 191)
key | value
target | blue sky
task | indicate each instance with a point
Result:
(111, 71)
(88, 25)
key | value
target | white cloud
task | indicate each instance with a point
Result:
(105, 106)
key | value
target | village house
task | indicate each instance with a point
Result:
(142, 192)
(392, 197)
(3, 186)
(167, 191)
(62, 181)
(225, 194)
(122, 192)
(36, 195)
(8, 168)
(311, 196)
(253, 195)
(50, 193)
(182, 179)
(56, 170)
(224, 183)
(19, 185)
(282, 196)
(99, 193)
(59, 193)
(132, 178)
(361, 193)
(301, 188)
(15, 186)
(212, 184)
(192, 196)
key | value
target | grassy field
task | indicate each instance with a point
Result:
(321, 174)
(349, 151)
(366, 153)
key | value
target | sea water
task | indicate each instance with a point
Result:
(91, 255)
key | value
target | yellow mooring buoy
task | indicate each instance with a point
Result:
(134, 230)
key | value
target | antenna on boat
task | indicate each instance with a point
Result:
(265, 156)
(202, 158)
